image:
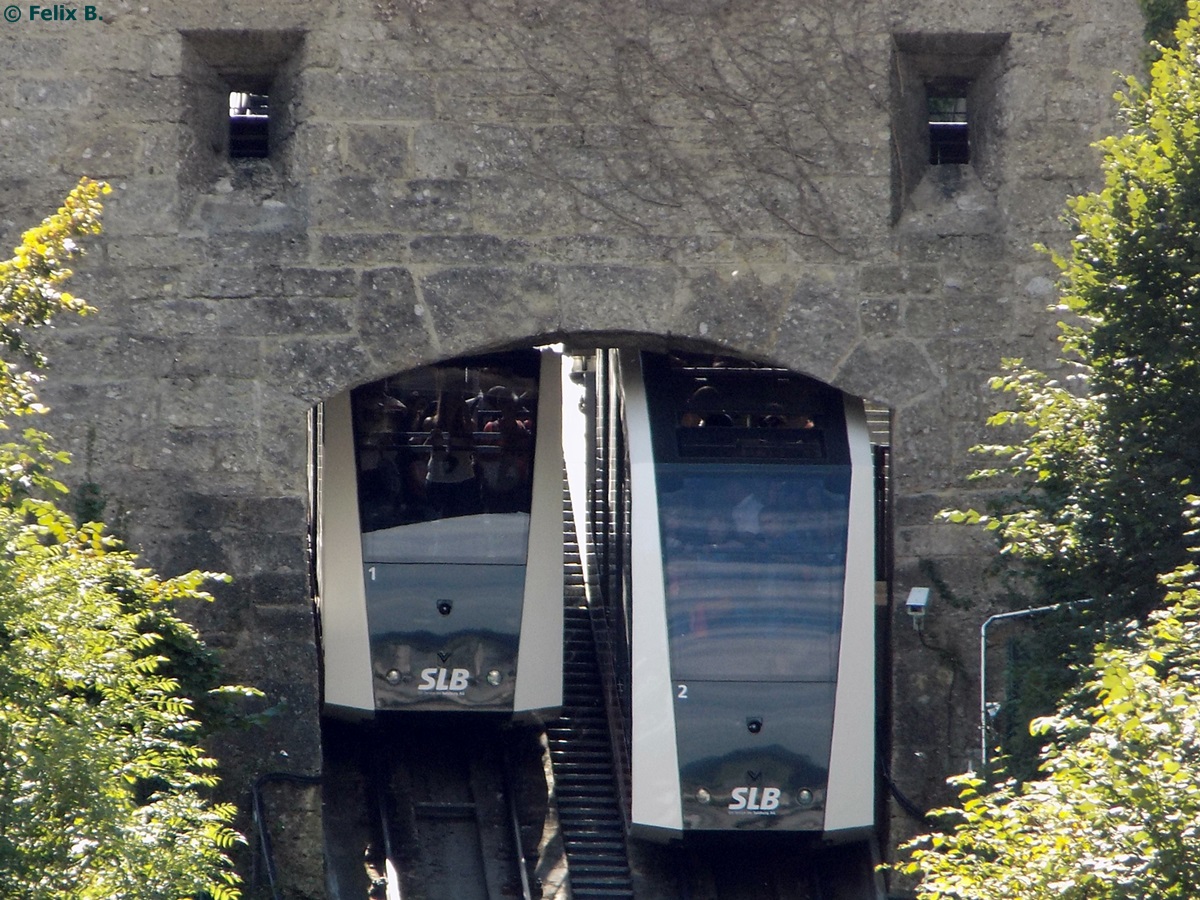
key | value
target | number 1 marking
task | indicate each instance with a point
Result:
(372, 571)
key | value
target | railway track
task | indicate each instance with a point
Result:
(435, 807)
(771, 870)
(421, 809)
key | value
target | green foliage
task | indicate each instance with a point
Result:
(1099, 479)
(1162, 16)
(30, 295)
(1097, 476)
(104, 788)
(1050, 470)
(1115, 811)
(1134, 271)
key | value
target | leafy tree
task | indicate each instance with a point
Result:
(1111, 452)
(1162, 16)
(1100, 488)
(1101, 458)
(104, 789)
(1115, 811)
(1105, 455)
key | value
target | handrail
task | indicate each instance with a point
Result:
(1016, 614)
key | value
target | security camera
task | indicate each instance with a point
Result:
(918, 599)
(916, 604)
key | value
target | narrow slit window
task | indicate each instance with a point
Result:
(249, 120)
(949, 127)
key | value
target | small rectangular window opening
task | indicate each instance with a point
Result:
(949, 128)
(249, 118)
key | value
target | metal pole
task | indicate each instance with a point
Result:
(1017, 614)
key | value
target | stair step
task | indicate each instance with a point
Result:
(593, 825)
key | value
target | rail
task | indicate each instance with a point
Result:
(263, 832)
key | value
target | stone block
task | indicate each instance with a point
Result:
(738, 308)
(53, 96)
(27, 141)
(317, 366)
(616, 298)
(143, 206)
(505, 95)
(317, 150)
(381, 149)
(306, 281)
(287, 590)
(391, 321)
(889, 371)
(217, 280)
(249, 248)
(912, 278)
(362, 248)
(219, 355)
(24, 52)
(284, 439)
(526, 205)
(467, 249)
(881, 316)
(206, 451)
(578, 248)
(956, 313)
(106, 155)
(84, 353)
(242, 512)
(176, 552)
(259, 552)
(428, 205)
(206, 402)
(821, 325)
(454, 150)
(347, 202)
(122, 253)
(374, 95)
(518, 302)
(134, 97)
(244, 213)
(294, 313)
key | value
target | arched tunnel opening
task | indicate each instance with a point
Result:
(548, 574)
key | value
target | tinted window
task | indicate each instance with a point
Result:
(754, 561)
(716, 408)
(448, 443)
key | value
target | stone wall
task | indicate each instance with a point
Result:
(458, 175)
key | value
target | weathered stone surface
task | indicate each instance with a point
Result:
(741, 306)
(467, 249)
(623, 298)
(821, 326)
(378, 95)
(390, 318)
(455, 176)
(518, 302)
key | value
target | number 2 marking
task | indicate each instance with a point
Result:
(681, 691)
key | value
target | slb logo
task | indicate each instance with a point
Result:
(440, 679)
(752, 799)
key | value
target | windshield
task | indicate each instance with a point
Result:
(754, 562)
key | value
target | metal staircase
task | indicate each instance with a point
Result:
(589, 812)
